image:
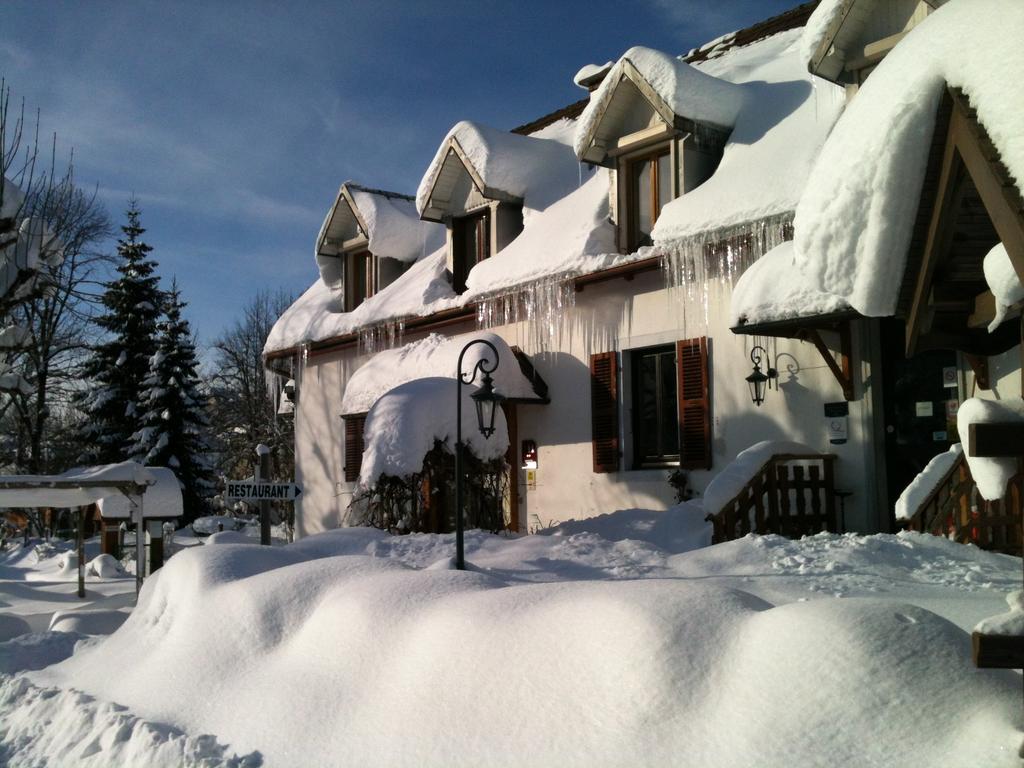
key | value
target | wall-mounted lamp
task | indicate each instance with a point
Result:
(757, 380)
(529, 454)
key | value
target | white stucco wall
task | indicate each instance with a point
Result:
(615, 315)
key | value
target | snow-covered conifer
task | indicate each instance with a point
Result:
(115, 371)
(173, 422)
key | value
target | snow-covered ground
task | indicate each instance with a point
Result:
(39, 582)
(606, 642)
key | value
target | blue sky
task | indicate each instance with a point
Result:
(235, 122)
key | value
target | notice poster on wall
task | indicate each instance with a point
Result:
(949, 377)
(924, 409)
(836, 422)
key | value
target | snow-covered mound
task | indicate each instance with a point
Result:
(736, 655)
(94, 734)
(204, 526)
(104, 566)
(681, 528)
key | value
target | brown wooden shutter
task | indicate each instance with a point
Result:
(353, 446)
(694, 404)
(604, 411)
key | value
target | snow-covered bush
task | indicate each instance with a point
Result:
(424, 502)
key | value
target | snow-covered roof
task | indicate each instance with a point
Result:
(573, 236)
(835, 27)
(434, 356)
(783, 122)
(855, 219)
(403, 424)
(774, 288)
(670, 86)
(501, 166)
(786, 116)
(387, 221)
(591, 74)
(161, 500)
(76, 487)
(422, 290)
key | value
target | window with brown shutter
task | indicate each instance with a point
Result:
(654, 384)
(604, 411)
(694, 404)
(353, 446)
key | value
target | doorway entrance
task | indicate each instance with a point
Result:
(920, 400)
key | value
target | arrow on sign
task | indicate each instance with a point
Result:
(250, 491)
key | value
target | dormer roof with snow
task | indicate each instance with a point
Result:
(845, 39)
(476, 160)
(646, 89)
(384, 223)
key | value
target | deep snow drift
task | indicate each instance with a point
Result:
(358, 648)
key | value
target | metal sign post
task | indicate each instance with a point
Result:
(264, 474)
(81, 551)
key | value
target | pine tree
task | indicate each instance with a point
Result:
(173, 426)
(117, 367)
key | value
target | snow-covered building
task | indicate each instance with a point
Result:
(599, 248)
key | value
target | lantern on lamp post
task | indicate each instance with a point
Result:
(486, 401)
(759, 381)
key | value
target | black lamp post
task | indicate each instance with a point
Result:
(486, 400)
(758, 381)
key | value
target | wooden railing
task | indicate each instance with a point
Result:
(957, 511)
(791, 499)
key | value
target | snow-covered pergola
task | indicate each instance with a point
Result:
(125, 490)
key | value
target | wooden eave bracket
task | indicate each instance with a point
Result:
(842, 370)
(979, 364)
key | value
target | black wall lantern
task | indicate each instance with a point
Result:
(757, 380)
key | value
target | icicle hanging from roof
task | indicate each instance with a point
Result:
(543, 304)
(377, 338)
(717, 258)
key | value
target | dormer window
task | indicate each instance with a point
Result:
(471, 244)
(481, 195)
(368, 240)
(649, 189)
(661, 125)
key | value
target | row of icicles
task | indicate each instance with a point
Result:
(693, 265)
